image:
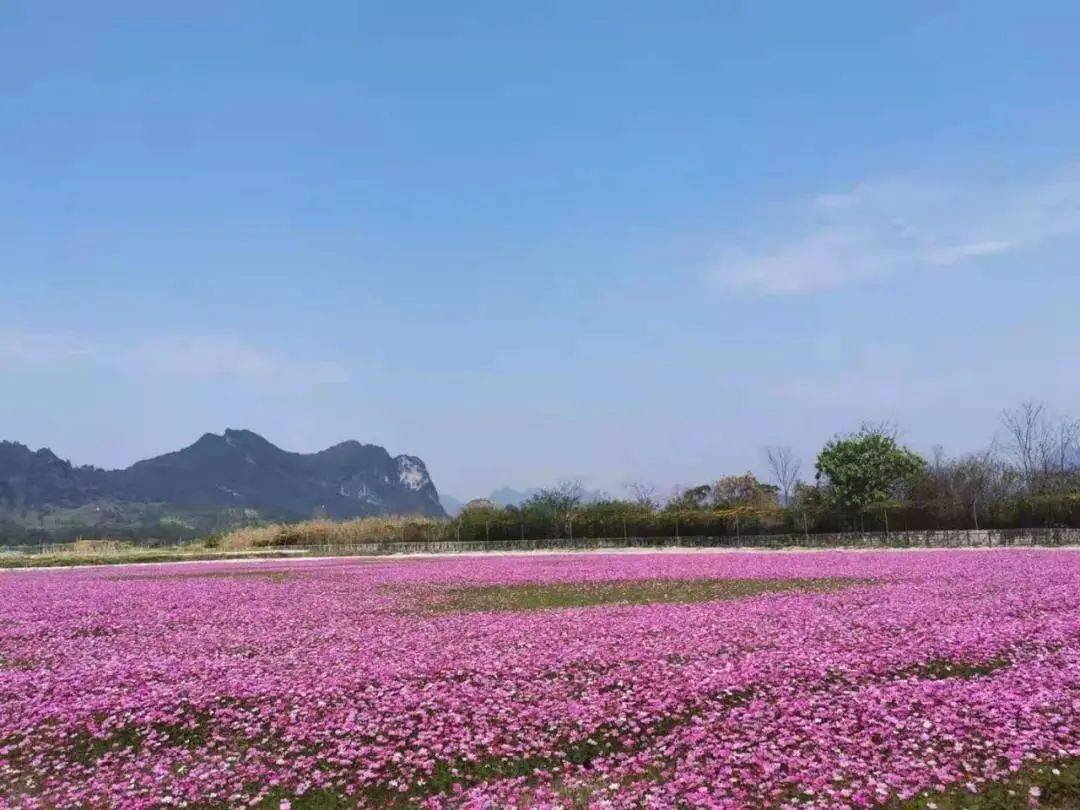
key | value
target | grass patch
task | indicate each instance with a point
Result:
(554, 595)
(269, 576)
(129, 556)
(1057, 785)
(15, 663)
(944, 668)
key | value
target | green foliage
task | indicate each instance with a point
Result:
(1048, 785)
(732, 491)
(745, 491)
(693, 498)
(866, 468)
(335, 533)
(560, 500)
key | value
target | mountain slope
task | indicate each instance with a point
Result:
(451, 505)
(237, 470)
(32, 478)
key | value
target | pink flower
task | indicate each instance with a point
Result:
(219, 685)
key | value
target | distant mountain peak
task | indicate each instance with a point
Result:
(234, 436)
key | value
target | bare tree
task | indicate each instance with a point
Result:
(1066, 444)
(883, 427)
(785, 466)
(643, 494)
(976, 480)
(1044, 448)
(939, 459)
(1025, 428)
(572, 491)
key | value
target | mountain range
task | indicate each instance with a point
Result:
(237, 475)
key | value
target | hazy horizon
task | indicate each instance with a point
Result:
(614, 243)
(616, 487)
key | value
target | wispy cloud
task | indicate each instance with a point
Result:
(889, 227)
(206, 358)
(192, 358)
(30, 347)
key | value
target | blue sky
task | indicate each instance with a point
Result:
(611, 240)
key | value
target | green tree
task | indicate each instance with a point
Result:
(556, 507)
(745, 490)
(866, 468)
(479, 519)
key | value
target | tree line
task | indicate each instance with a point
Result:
(866, 480)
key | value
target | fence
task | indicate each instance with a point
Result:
(67, 547)
(951, 538)
(991, 538)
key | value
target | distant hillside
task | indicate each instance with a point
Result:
(222, 479)
(508, 496)
(451, 505)
(504, 496)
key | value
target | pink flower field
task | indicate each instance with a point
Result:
(817, 679)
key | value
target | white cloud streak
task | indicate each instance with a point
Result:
(203, 358)
(31, 347)
(892, 227)
(191, 358)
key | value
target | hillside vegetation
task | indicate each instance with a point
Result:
(311, 533)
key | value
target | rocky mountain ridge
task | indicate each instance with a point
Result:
(237, 470)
